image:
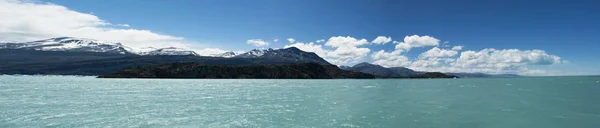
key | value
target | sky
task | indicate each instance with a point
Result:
(549, 37)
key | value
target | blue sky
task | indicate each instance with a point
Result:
(567, 29)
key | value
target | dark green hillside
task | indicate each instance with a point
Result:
(270, 71)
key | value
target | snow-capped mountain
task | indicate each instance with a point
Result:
(19, 59)
(226, 54)
(165, 51)
(291, 54)
(254, 53)
(70, 44)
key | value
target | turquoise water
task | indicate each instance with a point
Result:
(65, 101)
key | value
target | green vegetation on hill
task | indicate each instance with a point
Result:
(270, 71)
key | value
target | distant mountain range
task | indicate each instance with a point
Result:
(80, 56)
(405, 72)
(77, 56)
(382, 71)
(71, 44)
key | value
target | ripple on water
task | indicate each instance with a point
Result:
(90, 102)
(369, 86)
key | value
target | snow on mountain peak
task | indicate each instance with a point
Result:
(69, 44)
(227, 54)
(165, 51)
(72, 44)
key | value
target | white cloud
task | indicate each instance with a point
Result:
(416, 41)
(340, 41)
(457, 48)
(350, 52)
(320, 41)
(124, 25)
(347, 49)
(445, 60)
(310, 47)
(291, 40)
(275, 40)
(396, 59)
(382, 40)
(428, 62)
(512, 61)
(505, 59)
(437, 52)
(28, 21)
(257, 42)
(390, 59)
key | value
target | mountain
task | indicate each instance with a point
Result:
(371, 69)
(433, 75)
(291, 54)
(406, 72)
(402, 71)
(70, 44)
(254, 53)
(91, 57)
(268, 71)
(383, 71)
(345, 67)
(226, 54)
(173, 51)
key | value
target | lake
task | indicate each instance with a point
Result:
(69, 101)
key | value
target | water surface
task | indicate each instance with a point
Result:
(66, 101)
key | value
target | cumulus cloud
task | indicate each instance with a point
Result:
(390, 59)
(347, 49)
(416, 41)
(457, 48)
(395, 57)
(505, 59)
(291, 40)
(489, 60)
(310, 47)
(437, 52)
(447, 60)
(382, 40)
(257, 42)
(29, 21)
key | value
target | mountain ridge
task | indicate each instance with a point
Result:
(269, 71)
(73, 44)
(374, 69)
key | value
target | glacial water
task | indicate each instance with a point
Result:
(67, 101)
